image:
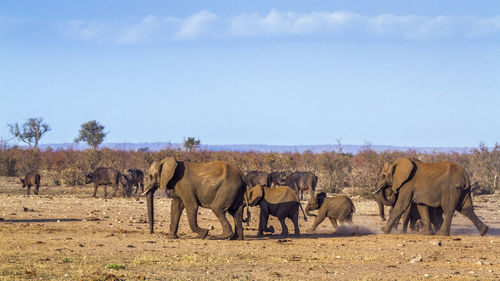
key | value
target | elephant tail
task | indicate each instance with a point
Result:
(303, 213)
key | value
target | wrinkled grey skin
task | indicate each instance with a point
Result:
(31, 179)
(136, 178)
(338, 209)
(107, 176)
(443, 184)
(218, 185)
(301, 181)
(254, 178)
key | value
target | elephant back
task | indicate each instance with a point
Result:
(280, 194)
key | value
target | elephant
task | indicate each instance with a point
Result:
(136, 178)
(301, 181)
(338, 209)
(281, 202)
(218, 185)
(278, 178)
(31, 179)
(108, 176)
(254, 178)
(411, 215)
(442, 184)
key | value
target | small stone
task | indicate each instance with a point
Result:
(436, 243)
(338, 257)
(416, 259)
(426, 275)
(479, 263)
(472, 272)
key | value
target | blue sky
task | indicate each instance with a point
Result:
(409, 73)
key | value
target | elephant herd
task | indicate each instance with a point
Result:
(425, 195)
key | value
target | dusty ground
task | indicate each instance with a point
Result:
(64, 234)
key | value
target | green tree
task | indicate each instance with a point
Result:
(91, 132)
(31, 131)
(191, 144)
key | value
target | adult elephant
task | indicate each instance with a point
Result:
(254, 178)
(301, 181)
(442, 184)
(219, 186)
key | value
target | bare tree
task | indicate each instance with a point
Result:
(31, 131)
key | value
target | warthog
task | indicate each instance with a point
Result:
(31, 179)
(108, 176)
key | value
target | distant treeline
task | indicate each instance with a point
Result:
(335, 171)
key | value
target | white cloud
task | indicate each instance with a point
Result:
(277, 24)
(198, 25)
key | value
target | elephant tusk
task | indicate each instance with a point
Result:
(376, 191)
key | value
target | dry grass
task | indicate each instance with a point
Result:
(67, 235)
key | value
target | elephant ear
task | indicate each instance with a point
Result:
(401, 169)
(167, 170)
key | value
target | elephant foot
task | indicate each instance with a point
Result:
(427, 232)
(386, 229)
(296, 234)
(270, 229)
(236, 237)
(442, 232)
(260, 234)
(483, 230)
(203, 233)
(224, 236)
(172, 236)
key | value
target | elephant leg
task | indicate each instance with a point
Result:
(284, 228)
(424, 214)
(406, 218)
(400, 207)
(319, 219)
(381, 210)
(176, 209)
(227, 232)
(468, 211)
(436, 218)
(334, 222)
(295, 220)
(238, 223)
(192, 213)
(264, 216)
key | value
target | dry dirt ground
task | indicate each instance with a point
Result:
(65, 234)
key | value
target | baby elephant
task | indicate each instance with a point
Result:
(31, 179)
(339, 208)
(281, 202)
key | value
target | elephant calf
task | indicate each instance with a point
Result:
(281, 202)
(31, 179)
(339, 208)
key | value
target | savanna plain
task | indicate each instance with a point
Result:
(66, 234)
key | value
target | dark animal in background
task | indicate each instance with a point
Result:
(338, 209)
(254, 178)
(301, 181)
(107, 176)
(278, 178)
(31, 179)
(136, 178)
(281, 202)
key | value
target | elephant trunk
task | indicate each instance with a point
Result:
(308, 208)
(381, 197)
(149, 198)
